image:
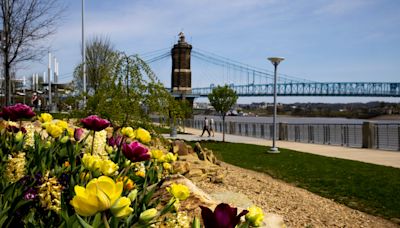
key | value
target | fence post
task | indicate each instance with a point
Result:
(367, 134)
(283, 131)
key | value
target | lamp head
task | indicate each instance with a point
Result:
(276, 60)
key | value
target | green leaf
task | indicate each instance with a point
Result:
(97, 220)
(83, 222)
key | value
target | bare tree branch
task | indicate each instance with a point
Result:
(25, 24)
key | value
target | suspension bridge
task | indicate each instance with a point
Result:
(194, 66)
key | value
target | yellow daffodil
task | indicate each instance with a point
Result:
(179, 191)
(255, 216)
(128, 132)
(99, 195)
(143, 135)
(45, 117)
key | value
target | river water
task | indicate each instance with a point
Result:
(294, 120)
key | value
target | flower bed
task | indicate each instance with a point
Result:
(58, 173)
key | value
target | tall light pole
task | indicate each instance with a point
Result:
(275, 61)
(83, 53)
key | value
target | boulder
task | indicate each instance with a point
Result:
(179, 147)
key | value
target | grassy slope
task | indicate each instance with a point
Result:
(371, 188)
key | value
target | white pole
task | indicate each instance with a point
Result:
(24, 90)
(55, 71)
(83, 53)
(44, 77)
(37, 81)
(49, 80)
(33, 82)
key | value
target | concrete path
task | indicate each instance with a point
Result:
(379, 157)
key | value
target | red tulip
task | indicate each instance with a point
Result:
(223, 216)
(78, 134)
(95, 123)
(135, 152)
(16, 112)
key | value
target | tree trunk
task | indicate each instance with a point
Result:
(223, 128)
(7, 77)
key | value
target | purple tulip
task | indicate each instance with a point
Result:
(16, 112)
(114, 140)
(223, 216)
(30, 194)
(135, 152)
(78, 134)
(95, 123)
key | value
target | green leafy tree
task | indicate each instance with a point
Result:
(123, 88)
(222, 98)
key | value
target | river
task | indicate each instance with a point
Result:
(294, 120)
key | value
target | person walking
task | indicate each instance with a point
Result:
(212, 126)
(34, 101)
(206, 125)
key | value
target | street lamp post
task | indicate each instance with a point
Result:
(83, 53)
(275, 61)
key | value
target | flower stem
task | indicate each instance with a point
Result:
(105, 221)
(94, 134)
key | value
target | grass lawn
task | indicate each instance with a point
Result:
(366, 187)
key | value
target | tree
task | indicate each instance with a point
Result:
(101, 58)
(26, 23)
(222, 98)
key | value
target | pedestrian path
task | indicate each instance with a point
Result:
(379, 157)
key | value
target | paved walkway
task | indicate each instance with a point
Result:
(379, 157)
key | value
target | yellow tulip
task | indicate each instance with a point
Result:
(62, 124)
(45, 117)
(64, 139)
(133, 194)
(167, 166)
(128, 132)
(84, 203)
(179, 191)
(99, 195)
(255, 216)
(91, 162)
(106, 189)
(156, 154)
(148, 215)
(53, 130)
(143, 135)
(170, 157)
(108, 167)
(19, 136)
(121, 207)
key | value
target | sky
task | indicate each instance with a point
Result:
(321, 40)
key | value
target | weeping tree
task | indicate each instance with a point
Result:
(222, 98)
(125, 91)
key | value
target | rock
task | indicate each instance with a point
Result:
(273, 221)
(181, 167)
(232, 198)
(180, 147)
(191, 205)
(395, 220)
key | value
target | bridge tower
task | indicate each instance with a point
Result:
(181, 76)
